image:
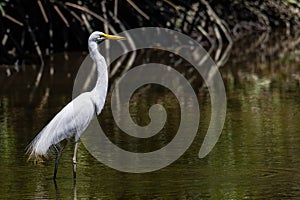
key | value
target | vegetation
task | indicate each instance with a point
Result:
(42, 27)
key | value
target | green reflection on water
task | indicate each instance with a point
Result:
(255, 157)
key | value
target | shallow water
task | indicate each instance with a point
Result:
(256, 157)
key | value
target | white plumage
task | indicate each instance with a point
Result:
(70, 122)
(75, 117)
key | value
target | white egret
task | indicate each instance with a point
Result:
(75, 117)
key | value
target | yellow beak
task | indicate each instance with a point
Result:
(113, 37)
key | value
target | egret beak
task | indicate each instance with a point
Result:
(113, 37)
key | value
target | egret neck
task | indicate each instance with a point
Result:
(100, 90)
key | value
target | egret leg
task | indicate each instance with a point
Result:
(56, 190)
(57, 160)
(75, 190)
(74, 160)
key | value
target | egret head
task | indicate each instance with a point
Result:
(98, 37)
